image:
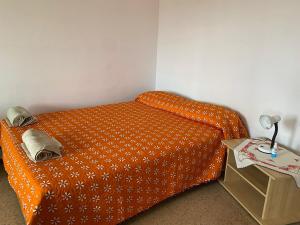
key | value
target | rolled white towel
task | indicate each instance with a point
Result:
(39, 146)
(18, 116)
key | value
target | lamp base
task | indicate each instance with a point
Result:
(265, 148)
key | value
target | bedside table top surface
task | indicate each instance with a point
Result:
(231, 144)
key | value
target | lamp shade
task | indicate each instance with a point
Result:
(267, 121)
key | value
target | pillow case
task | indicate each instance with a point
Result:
(218, 116)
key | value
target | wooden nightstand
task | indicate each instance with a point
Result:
(270, 197)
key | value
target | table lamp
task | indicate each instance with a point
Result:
(267, 122)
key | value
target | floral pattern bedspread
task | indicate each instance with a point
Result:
(118, 160)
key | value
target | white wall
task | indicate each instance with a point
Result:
(242, 54)
(61, 54)
(68, 53)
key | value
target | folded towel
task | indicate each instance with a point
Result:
(39, 146)
(18, 116)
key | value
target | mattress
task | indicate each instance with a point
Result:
(118, 160)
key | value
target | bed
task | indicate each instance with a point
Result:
(119, 159)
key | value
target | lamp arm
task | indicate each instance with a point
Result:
(274, 135)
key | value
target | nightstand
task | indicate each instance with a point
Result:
(271, 198)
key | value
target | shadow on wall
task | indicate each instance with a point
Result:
(290, 123)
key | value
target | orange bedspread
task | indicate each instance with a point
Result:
(119, 159)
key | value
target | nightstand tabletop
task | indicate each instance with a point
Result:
(231, 144)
